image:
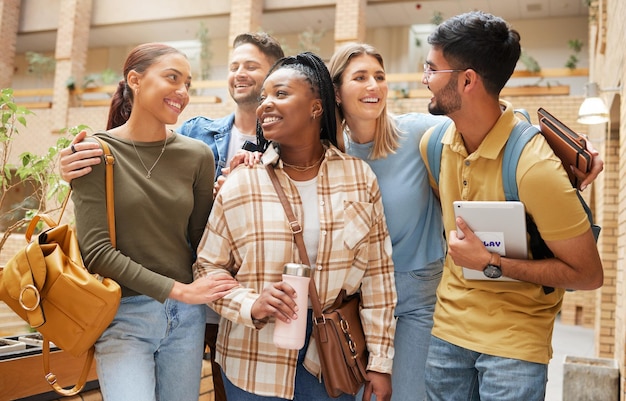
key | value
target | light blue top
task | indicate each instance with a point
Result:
(412, 210)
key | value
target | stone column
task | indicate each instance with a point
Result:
(349, 21)
(71, 54)
(249, 14)
(9, 19)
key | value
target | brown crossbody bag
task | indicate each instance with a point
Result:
(338, 331)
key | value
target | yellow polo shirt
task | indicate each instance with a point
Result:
(506, 319)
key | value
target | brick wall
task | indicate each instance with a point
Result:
(9, 20)
(607, 57)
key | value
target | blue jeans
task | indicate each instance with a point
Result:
(308, 388)
(417, 295)
(458, 374)
(152, 351)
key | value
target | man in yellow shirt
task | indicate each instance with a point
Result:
(491, 340)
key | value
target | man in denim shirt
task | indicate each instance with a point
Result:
(253, 55)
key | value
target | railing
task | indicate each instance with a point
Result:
(32, 98)
(530, 90)
(42, 98)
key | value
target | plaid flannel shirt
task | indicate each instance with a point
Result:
(248, 235)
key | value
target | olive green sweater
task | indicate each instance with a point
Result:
(159, 221)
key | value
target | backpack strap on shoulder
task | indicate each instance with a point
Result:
(523, 113)
(521, 134)
(435, 147)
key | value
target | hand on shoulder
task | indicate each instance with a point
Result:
(76, 160)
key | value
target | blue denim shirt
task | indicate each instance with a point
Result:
(215, 133)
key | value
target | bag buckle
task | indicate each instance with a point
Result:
(319, 320)
(295, 227)
(345, 326)
(352, 346)
(37, 296)
(51, 378)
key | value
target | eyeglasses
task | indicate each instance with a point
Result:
(428, 72)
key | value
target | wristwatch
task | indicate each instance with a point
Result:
(492, 270)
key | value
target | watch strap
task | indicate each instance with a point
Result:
(495, 259)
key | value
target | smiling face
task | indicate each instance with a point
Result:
(288, 104)
(444, 86)
(163, 88)
(363, 90)
(247, 70)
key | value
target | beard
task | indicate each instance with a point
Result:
(243, 99)
(446, 101)
(249, 99)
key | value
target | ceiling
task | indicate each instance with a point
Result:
(379, 13)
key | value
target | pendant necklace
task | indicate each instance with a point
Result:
(149, 170)
(304, 168)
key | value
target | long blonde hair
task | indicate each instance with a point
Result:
(386, 138)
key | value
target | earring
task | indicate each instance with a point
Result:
(314, 116)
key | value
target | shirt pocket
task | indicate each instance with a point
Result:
(358, 221)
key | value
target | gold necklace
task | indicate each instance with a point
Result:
(149, 170)
(304, 168)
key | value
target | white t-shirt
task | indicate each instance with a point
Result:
(311, 224)
(237, 139)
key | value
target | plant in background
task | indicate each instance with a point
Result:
(437, 18)
(576, 45)
(39, 64)
(529, 62)
(33, 185)
(106, 77)
(309, 39)
(205, 51)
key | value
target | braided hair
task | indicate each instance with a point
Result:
(316, 73)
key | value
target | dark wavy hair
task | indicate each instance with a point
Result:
(482, 42)
(264, 42)
(139, 59)
(313, 68)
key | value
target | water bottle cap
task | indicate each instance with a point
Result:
(297, 269)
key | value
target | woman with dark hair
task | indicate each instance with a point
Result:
(337, 202)
(163, 190)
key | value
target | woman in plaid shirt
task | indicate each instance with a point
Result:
(337, 202)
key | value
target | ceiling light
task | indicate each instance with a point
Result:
(593, 110)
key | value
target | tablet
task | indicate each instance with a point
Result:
(501, 225)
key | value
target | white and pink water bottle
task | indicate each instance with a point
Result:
(292, 335)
